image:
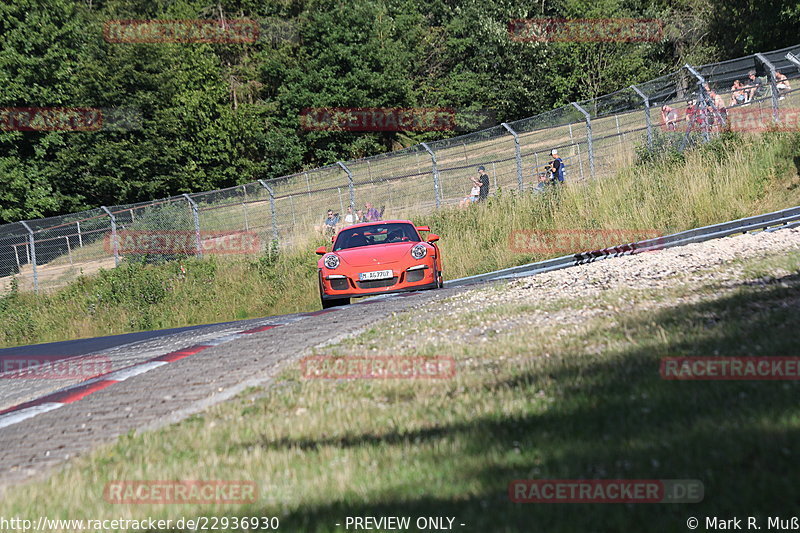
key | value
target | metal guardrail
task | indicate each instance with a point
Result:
(772, 220)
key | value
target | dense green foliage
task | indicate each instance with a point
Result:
(216, 115)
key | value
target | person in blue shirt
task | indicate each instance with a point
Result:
(558, 166)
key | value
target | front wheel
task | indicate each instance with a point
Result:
(439, 279)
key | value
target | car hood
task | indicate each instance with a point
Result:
(377, 254)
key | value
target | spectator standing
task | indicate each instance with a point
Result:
(558, 166)
(691, 112)
(669, 116)
(360, 216)
(483, 183)
(372, 213)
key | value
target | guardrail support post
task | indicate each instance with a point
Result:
(773, 83)
(588, 137)
(33, 256)
(272, 210)
(517, 155)
(114, 240)
(350, 185)
(196, 217)
(436, 190)
(646, 115)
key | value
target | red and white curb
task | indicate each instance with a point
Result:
(73, 393)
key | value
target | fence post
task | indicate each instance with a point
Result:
(773, 83)
(114, 240)
(244, 208)
(517, 154)
(646, 115)
(196, 217)
(350, 184)
(701, 82)
(436, 190)
(588, 137)
(272, 210)
(33, 256)
(793, 58)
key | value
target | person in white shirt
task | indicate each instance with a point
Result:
(350, 217)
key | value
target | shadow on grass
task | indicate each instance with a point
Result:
(612, 416)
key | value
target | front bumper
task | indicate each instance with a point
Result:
(336, 286)
(342, 294)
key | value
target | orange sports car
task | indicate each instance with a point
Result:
(378, 258)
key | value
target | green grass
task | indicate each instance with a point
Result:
(732, 177)
(559, 401)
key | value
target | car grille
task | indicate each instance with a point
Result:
(339, 284)
(415, 275)
(374, 284)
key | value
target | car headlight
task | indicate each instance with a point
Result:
(331, 261)
(419, 251)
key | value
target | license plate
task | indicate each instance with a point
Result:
(378, 274)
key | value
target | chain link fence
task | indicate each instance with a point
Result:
(593, 137)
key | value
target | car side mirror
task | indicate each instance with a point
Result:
(432, 237)
(322, 250)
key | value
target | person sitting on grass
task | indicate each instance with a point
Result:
(329, 224)
(544, 180)
(373, 214)
(738, 95)
(473, 194)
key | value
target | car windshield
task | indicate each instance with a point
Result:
(375, 234)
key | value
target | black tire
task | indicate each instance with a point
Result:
(439, 279)
(327, 304)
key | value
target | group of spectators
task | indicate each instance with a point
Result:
(331, 221)
(697, 114)
(553, 173)
(742, 93)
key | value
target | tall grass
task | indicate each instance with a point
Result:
(732, 177)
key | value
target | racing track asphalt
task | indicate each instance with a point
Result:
(238, 355)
